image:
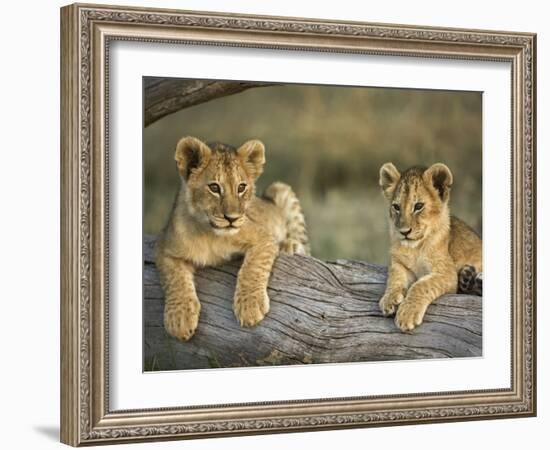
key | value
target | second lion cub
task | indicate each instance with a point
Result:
(432, 252)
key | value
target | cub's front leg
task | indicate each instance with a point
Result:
(251, 302)
(399, 280)
(421, 294)
(181, 307)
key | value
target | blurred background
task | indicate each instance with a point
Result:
(328, 143)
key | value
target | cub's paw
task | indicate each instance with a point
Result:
(466, 279)
(293, 247)
(470, 281)
(250, 308)
(410, 315)
(478, 284)
(389, 302)
(181, 319)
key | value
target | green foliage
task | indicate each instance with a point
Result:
(329, 143)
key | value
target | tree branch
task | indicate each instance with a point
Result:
(164, 96)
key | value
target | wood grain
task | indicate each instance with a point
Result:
(321, 312)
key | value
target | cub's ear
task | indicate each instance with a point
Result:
(389, 177)
(191, 153)
(253, 155)
(441, 178)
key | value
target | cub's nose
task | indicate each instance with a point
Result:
(231, 217)
(406, 232)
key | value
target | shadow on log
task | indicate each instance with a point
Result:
(321, 312)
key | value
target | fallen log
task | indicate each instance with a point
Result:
(321, 312)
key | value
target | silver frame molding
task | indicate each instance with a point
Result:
(86, 32)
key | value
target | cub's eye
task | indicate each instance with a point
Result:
(241, 188)
(418, 206)
(395, 207)
(214, 187)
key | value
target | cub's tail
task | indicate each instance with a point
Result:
(296, 240)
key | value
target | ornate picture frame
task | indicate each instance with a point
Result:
(87, 31)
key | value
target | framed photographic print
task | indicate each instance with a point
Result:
(275, 224)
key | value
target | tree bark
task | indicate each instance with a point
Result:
(321, 312)
(164, 96)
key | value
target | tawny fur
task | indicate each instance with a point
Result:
(429, 247)
(217, 216)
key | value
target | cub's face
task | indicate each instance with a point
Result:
(417, 201)
(220, 181)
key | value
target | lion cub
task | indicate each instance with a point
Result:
(430, 249)
(216, 216)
